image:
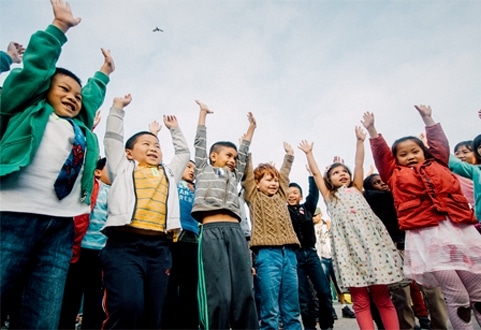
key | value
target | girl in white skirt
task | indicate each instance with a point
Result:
(442, 245)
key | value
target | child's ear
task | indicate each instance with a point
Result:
(213, 157)
(97, 173)
(128, 154)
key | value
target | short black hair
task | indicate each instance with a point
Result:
(468, 144)
(67, 73)
(367, 184)
(295, 185)
(101, 163)
(222, 144)
(133, 139)
(476, 144)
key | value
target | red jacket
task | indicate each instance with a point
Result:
(425, 194)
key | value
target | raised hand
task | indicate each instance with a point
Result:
(424, 110)
(367, 120)
(288, 149)
(96, 119)
(426, 114)
(203, 107)
(108, 66)
(338, 159)
(155, 127)
(360, 134)
(63, 17)
(305, 146)
(170, 121)
(121, 102)
(252, 119)
(15, 51)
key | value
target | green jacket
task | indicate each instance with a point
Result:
(24, 111)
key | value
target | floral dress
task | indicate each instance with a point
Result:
(363, 253)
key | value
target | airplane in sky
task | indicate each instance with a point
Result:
(157, 29)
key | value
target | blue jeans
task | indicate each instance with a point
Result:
(35, 253)
(309, 268)
(278, 287)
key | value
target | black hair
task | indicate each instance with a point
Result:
(101, 163)
(222, 144)
(133, 139)
(476, 144)
(468, 144)
(367, 183)
(295, 185)
(415, 140)
(67, 73)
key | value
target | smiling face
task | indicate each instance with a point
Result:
(409, 153)
(145, 150)
(339, 176)
(65, 96)
(224, 157)
(268, 184)
(465, 154)
(294, 196)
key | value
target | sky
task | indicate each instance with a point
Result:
(305, 69)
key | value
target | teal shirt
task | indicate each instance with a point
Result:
(24, 111)
(472, 172)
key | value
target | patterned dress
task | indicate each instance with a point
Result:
(363, 253)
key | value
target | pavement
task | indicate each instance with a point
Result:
(343, 323)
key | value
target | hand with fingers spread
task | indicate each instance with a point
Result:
(368, 123)
(155, 127)
(108, 66)
(63, 17)
(170, 121)
(426, 114)
(288, 149)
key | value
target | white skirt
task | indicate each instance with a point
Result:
(449, 246)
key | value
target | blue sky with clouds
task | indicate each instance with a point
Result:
(306, 69)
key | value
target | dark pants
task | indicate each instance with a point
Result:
(309, 268)
(84, 279)
(35, 252)
(181, 308)
(135, 276)
(225, 279)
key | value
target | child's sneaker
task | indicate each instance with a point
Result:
(348, 313)
(424, 322)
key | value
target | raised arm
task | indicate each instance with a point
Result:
(181, 148)
(114, 135)
(316, 173)
(200, 142)
(252, 127)
(359, 158)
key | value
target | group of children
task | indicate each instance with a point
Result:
(160, 228)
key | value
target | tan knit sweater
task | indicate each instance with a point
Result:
(271, 222)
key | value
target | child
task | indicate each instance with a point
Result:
(226, 298)
(380, 198)
(273, 242)
(364, 256)
(47, 176)
(322, 228)
(442, 245)
(143, 210)
(311, 277)
(468, 168)
(182, 310)
(84, 280)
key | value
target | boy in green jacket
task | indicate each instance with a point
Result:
(46, 169)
